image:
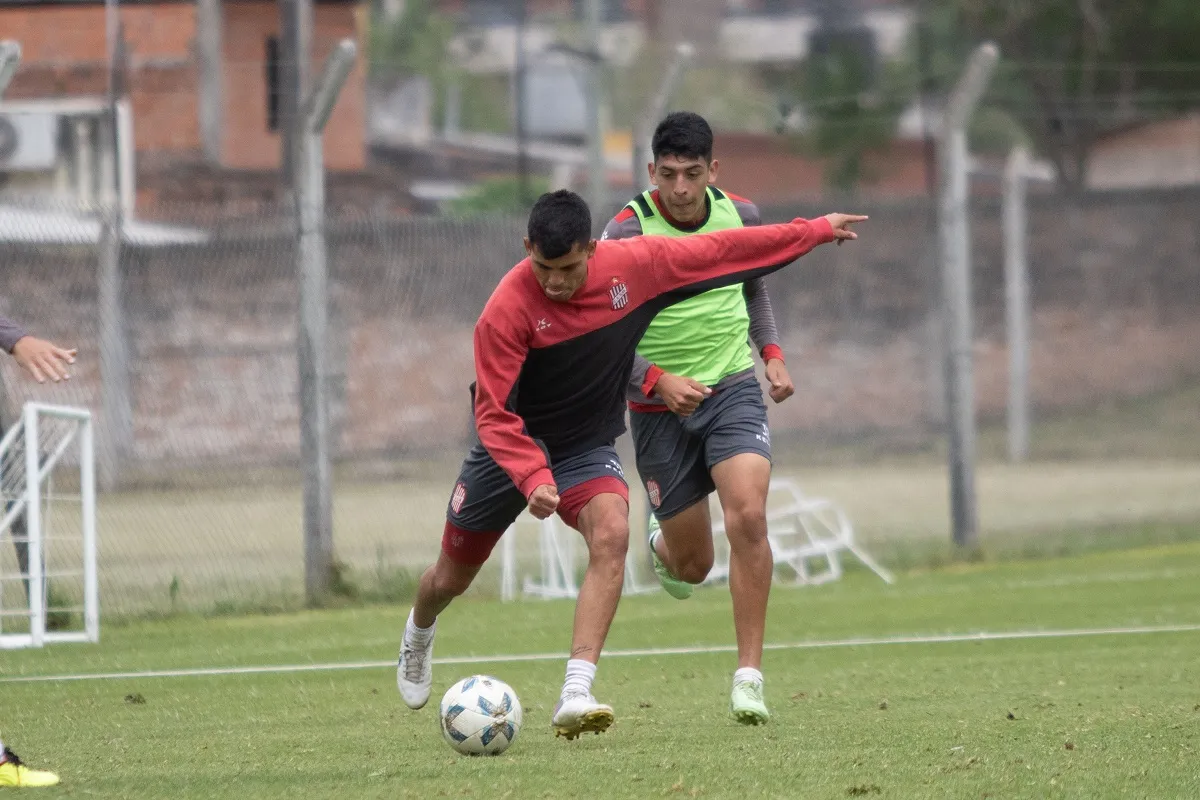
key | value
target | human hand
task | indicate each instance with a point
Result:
(682, 395)
(543, 500)
(781, 383)
(43, 359)
(841, 225)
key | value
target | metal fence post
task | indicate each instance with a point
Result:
(1016, 300)
(955, 247)
(312, 340)
(654, 111)
(597, 169)
(117, 400)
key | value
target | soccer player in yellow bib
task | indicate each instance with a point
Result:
(697, 414)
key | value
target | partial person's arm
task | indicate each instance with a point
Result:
(10, 334)
(500, 351)
(763, 332)
(40, 358)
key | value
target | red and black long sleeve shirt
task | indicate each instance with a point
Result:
(556, 372)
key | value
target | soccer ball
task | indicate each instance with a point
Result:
(480, 715)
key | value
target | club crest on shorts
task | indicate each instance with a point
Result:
(459, 497)
(653, 493)
(619, 294)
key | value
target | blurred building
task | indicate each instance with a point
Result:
(49, 120)
(737, 31)
(1147, 155)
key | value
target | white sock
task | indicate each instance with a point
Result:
(747, 674)
(580, 675)
(417, 636)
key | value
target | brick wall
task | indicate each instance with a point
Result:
(248, 143)
(64, 55)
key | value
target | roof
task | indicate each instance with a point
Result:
(28, 226)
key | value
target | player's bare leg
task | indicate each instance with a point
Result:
(604, 523)
(742, 485)
(685, 546)
(439, 585)
(445, 580)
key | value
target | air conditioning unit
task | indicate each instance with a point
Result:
(28, 141)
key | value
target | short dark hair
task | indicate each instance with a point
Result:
(559, 221)
(683, 134)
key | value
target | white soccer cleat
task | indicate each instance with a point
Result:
(414, 672)
(580, 713)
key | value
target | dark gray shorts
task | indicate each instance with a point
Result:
(486, 500)
(675, 454)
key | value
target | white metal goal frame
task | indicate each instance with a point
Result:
(30, 452)
(808, 537)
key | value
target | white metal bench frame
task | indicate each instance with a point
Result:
(802, 530)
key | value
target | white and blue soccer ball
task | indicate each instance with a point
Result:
(480, 715)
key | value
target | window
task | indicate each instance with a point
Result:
(273, 83)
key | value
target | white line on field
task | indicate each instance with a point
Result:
(981, 636)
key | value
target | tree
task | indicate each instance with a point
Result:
(850, 101)
(496, 196)
(417, 42)
(1078, 69)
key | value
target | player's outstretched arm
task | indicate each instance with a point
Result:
(692, 264)
(40, 358)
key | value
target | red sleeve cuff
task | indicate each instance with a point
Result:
(542, 476)
(652, 376)
(772, 351)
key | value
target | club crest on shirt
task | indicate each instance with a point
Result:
(619, 294)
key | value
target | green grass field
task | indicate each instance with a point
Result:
(1089, 716)
(232, 549)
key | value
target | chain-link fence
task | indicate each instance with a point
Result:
(206, 507)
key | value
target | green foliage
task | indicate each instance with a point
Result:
(415, 43)
(852, 108)
(486, 103)
(498, 196)
(1077, 69)
(57, 601)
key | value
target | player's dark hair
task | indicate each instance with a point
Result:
(683, 134)
(559, 221)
